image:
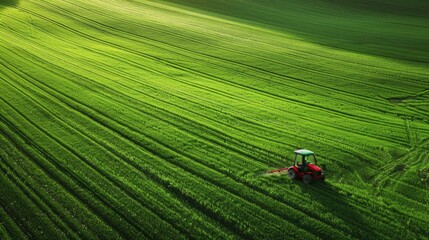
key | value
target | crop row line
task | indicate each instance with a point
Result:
(217, 58)
(194, 71)
(90, 187)
(137, 143)
(37, 199)
(110, 149)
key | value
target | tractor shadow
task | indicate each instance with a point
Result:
(8, 3)
(338, 203)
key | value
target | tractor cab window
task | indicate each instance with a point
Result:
(301, 160)
(310, 159)
(305, 160)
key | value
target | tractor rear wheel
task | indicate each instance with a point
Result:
(307, 179)
(291, 174)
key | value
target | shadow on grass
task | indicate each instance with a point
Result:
(338, 203)
(339, 23)
(8, 3)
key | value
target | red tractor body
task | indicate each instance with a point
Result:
(314, 171)
(303, 168)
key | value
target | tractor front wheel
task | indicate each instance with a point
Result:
(307, 179)
(291, 174)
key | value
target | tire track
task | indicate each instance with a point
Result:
(27, 178)
(108, 175)
(36, 200)
(227, 82)
(181, 50)
(94, 168)
(129, 105)
(165, 158)
(416, 151)
(137, 143)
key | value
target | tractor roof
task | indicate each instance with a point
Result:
(304, 152)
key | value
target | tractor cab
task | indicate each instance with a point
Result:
(305, 166)
(305, 160)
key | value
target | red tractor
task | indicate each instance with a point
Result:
(303, 167)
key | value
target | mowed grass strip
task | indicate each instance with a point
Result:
(167, 208)
(142, 141)
(227, 186)
(93, 186)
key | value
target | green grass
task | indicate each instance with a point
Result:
(155, 119)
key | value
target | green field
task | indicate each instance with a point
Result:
(138, 119)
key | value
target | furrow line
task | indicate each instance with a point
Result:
(49, 201)
(183, 36)
(23, 226)
(179, 126)
(94, 168)
(181, 49)
(298, 80)
(8, 228)
(161, 157)
(215, 78)
(117, 183)
(207, 211)
(36, 201)
(371, 136)
(241, 143)
(70, 174)
(110, 16)
(173, 8)
(42, 66)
